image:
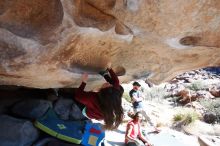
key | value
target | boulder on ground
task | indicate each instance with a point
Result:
(16, 132)
(32, 108)
(209, 117)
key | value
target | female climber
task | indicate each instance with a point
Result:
(104, 104)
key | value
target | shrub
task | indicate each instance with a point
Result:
(187, 115)
(178, 117)
(197, 85)
(212, 106)
(155, 93)
(126, 96)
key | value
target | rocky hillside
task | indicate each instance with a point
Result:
(189, 103)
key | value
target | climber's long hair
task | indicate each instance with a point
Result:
(110, 103)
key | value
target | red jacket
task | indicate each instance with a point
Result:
(89, 99)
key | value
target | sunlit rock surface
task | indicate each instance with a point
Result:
(49, 44)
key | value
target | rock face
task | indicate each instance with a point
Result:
(49, 44)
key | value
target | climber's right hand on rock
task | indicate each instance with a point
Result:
(84, 77)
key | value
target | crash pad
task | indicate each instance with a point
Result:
(70, 131)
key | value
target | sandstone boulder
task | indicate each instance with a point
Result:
(49, 44)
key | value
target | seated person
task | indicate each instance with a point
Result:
(133, 135)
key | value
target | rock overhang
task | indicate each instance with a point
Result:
(50, 44)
